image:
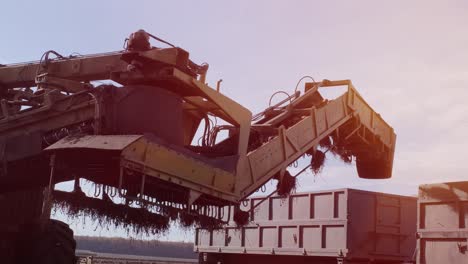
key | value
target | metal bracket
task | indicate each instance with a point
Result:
(193, 196)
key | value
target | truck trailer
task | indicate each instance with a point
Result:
(333, 226)
(442, 223)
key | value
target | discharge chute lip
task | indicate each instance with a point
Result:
(102, 142)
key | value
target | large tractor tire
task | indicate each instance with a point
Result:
(17, 209)
(51, 242)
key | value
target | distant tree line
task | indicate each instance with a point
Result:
(117, 245)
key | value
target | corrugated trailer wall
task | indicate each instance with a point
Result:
(345, 223)
(442, 223)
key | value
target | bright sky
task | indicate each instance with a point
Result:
(409, 59)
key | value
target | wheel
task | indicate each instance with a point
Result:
(51, 242)
(373, 168)
(18, 208)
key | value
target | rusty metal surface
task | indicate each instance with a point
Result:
(349, 223)
(89, 67)
(443, 223)
(104, 142)
(83, 68)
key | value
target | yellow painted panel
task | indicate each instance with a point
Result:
(157, 158)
